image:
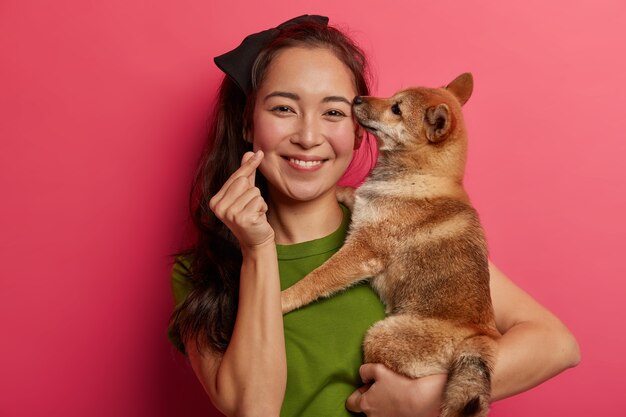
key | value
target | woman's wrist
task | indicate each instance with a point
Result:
(427, 394)
(259, 252)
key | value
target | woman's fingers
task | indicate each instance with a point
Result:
(370, 372)
(245, 208)
(240, 206)
(247, 170)
(257, 204)
(353, 403)
(247, 157)
(231, 193)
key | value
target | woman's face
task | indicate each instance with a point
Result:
(302, 121)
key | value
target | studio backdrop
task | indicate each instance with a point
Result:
(103, 113)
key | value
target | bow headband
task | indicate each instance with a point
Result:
(237, 64)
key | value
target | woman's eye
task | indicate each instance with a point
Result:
(335, 113)
(282, 109)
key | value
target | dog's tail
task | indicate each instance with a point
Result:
(468, 389)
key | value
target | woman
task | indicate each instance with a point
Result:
(268, 217)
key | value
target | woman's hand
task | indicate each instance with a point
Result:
(240, 206)
(392, 395)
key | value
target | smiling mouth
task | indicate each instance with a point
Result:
(305, 164)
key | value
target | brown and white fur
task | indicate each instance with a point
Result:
(415, 235)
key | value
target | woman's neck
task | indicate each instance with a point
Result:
(297, 221)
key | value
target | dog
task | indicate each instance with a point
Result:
(417, 238)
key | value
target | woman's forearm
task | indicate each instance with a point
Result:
(250, 378)
(529, 354)
(535, 345)
(254, 366)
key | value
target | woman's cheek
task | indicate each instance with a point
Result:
(344, 136)
(268, 135)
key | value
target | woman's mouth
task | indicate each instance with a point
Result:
(305, 164)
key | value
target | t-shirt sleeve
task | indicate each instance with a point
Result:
(181, 287)
(181, 279)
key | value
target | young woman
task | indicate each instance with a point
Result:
(263, 201)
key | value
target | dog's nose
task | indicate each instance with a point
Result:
(357, 100)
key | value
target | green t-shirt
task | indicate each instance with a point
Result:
(323, 340)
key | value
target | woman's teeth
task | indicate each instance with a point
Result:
(305, 164)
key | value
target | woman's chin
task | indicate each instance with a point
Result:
(307, 193)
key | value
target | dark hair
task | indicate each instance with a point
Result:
(208, 313)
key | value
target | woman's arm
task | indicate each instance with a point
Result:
(534, 347)
(249, 379)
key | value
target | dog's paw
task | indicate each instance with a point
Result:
(345, 195)
(286, 301)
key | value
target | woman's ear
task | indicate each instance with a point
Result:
(246, 133)
(359, 132)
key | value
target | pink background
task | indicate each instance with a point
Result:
(103, 109)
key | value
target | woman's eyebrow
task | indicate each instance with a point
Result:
(336, 98)
(285, 94)
(294, 96)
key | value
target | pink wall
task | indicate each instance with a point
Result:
(103, 107)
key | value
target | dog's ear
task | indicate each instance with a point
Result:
(437, 121)
(462, 87)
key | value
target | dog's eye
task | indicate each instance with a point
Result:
(395, 109)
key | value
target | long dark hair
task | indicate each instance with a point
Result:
(208, 313)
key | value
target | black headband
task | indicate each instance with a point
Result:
(237, 64)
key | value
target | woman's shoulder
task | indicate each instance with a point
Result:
(182, 264)
(181, 277)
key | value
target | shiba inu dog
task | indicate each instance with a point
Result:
(415, 235)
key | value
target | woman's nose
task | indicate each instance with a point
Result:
(309, 134)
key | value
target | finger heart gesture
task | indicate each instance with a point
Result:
(240, 206)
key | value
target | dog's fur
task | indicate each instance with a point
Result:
(414, 232)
